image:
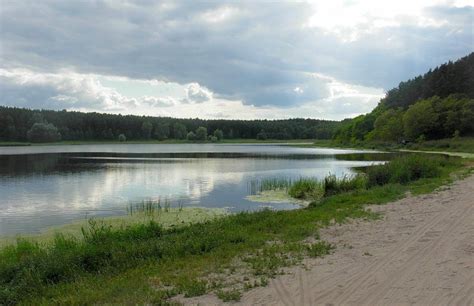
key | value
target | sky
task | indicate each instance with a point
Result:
(223, 59)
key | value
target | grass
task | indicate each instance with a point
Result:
(137, 214)
(406, 168)
(306, 188)
(148, 264)
(258, 186)
(460, 145)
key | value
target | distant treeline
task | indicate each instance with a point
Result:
(19, 124)
(439, 104)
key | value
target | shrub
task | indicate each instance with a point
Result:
(219, 134)
(122, 138)
(43, 132)
(191, 136)
(405, 169)
(201, 133)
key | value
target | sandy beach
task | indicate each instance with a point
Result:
(420, 252)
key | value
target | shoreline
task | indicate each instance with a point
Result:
(226, 257)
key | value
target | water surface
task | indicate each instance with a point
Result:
(41, 186)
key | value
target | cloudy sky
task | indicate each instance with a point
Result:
(216, 59)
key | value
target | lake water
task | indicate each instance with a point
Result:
(42, 186)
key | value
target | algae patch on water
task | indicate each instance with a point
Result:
(167, 218)
(275, 196)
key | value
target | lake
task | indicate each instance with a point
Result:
(42, 186)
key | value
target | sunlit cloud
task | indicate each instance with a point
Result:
(318, 59)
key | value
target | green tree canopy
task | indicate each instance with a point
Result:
(219, 134)
(421, 119)
(43, 132)
(201, 133)
(147, 128)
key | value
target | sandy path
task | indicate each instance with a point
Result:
(422, 252)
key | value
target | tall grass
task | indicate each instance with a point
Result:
(280, 183)
(401, 170)
(306, 188)
(407, 168)
(151, 207)
(333, 185)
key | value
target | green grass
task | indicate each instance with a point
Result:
(407, 168)
(306, 188)
(460, 145)
(146, 263)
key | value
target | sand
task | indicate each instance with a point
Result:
(420, 252)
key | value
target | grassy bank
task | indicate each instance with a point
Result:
(147, 263)
(460, 144)
(169, 141)
(166, 217)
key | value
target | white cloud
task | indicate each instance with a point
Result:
(215, 59)
(351, 20)
(195, 93)
(75, 91)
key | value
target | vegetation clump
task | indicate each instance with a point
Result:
(43, 132)
(405, 169)
(306, 188)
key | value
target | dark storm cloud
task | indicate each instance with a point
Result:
(259, 52)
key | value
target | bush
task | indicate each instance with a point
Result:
(405, 169)
(191, 136)
(201, 133)
(43, 132)
(219, 134)
(122, 138)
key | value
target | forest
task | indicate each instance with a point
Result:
(19, 124)
(436, 105)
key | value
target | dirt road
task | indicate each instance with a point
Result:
(421, 252)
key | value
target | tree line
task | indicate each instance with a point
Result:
(20, 124)
(439, 104)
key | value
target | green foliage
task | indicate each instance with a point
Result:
(147, 127)
(219, 135)
(194, 288)
(162, 131)
(306, 188)
(319, 249)
(122, 138)
(201, 133)
(420, 119)
(191, 136)
(77, 126)
(388, 126)
(43, 132)
(262, 135)
(447, 79)
(333, 185)
(179, 131)
(229, 295)
(434, 105)
(407, 168)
